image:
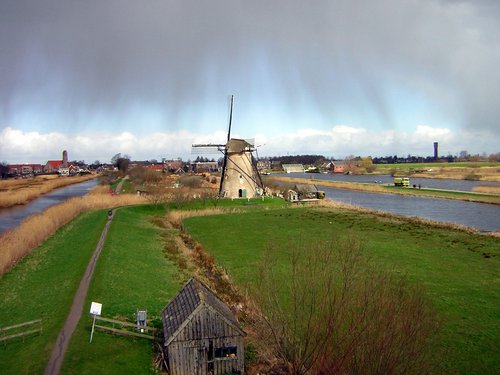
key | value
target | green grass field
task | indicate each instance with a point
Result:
(459, 271)
(132, 273)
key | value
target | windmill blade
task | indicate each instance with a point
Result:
(206, 149)
(224, 163)
(230, 118)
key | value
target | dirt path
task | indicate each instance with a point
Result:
(118, 188)
(75, 313)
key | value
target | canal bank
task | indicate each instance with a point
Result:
(407, 202)
(13, 216)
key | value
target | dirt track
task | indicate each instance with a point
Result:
(56, 359)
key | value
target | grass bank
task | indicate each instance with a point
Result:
(42, 286)
(18, 242)
(458, 269)
(22, 191)
(480, 171)
(478, 196)
(132, 273)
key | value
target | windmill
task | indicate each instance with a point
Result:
(239, 177)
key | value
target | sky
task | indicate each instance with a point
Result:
(149, 78)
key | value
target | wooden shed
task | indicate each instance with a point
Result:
(202, 336)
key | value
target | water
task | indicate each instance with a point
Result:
(485, 217)
(481, 216)
(435, 183)
(12, 217)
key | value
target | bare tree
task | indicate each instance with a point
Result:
(121, 162)
(325, 311)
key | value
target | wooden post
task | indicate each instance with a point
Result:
(92, 332)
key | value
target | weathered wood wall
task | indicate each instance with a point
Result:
(188, 353)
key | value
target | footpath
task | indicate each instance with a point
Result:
(56, 359)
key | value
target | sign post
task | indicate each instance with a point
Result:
(95, 310)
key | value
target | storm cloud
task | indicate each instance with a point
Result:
(162, 65)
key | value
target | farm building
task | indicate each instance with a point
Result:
(306, 191)
(202, 336)
(293, 168)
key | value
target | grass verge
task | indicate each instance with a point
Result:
(132, 273)
(458, 269)
(42, 286)
(18, 242)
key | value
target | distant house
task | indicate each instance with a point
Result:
(205, 166)
(173, 166)
(52, 166)
(24, 169)
(70, 170)
(293, 168)
(202, 336)
(339, 167)
(263, 165)
(292, 196)
(276, 165)
(157, 167)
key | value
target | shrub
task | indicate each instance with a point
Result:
(190, 181)
(331, 314)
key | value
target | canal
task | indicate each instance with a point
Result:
(481, 216)
(13, 216)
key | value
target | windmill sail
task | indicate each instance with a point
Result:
(224, 163)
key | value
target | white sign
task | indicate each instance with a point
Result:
(95, 308)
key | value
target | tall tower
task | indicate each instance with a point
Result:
(65, 159)
(435, 150)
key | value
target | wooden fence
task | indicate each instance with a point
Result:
(20, 330)
(126, 328)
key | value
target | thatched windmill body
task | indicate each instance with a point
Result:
(239, 177)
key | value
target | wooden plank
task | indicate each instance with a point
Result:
(5, 338)
(125, 324)
(124, 332)
(21, 325)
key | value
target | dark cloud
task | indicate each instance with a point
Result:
(103, 56)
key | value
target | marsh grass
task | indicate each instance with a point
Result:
(18, 242)
(16, 192)
(176, 217)
(487, 189)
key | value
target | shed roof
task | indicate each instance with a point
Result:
(306, 188)
(192, 295)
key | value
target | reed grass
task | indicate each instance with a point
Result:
(487, 189)
(20, 241)
(176, 217)
(17, 192)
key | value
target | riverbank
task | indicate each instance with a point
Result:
(34, 230)
(477, 197)
(475, 171)
(15, 192)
